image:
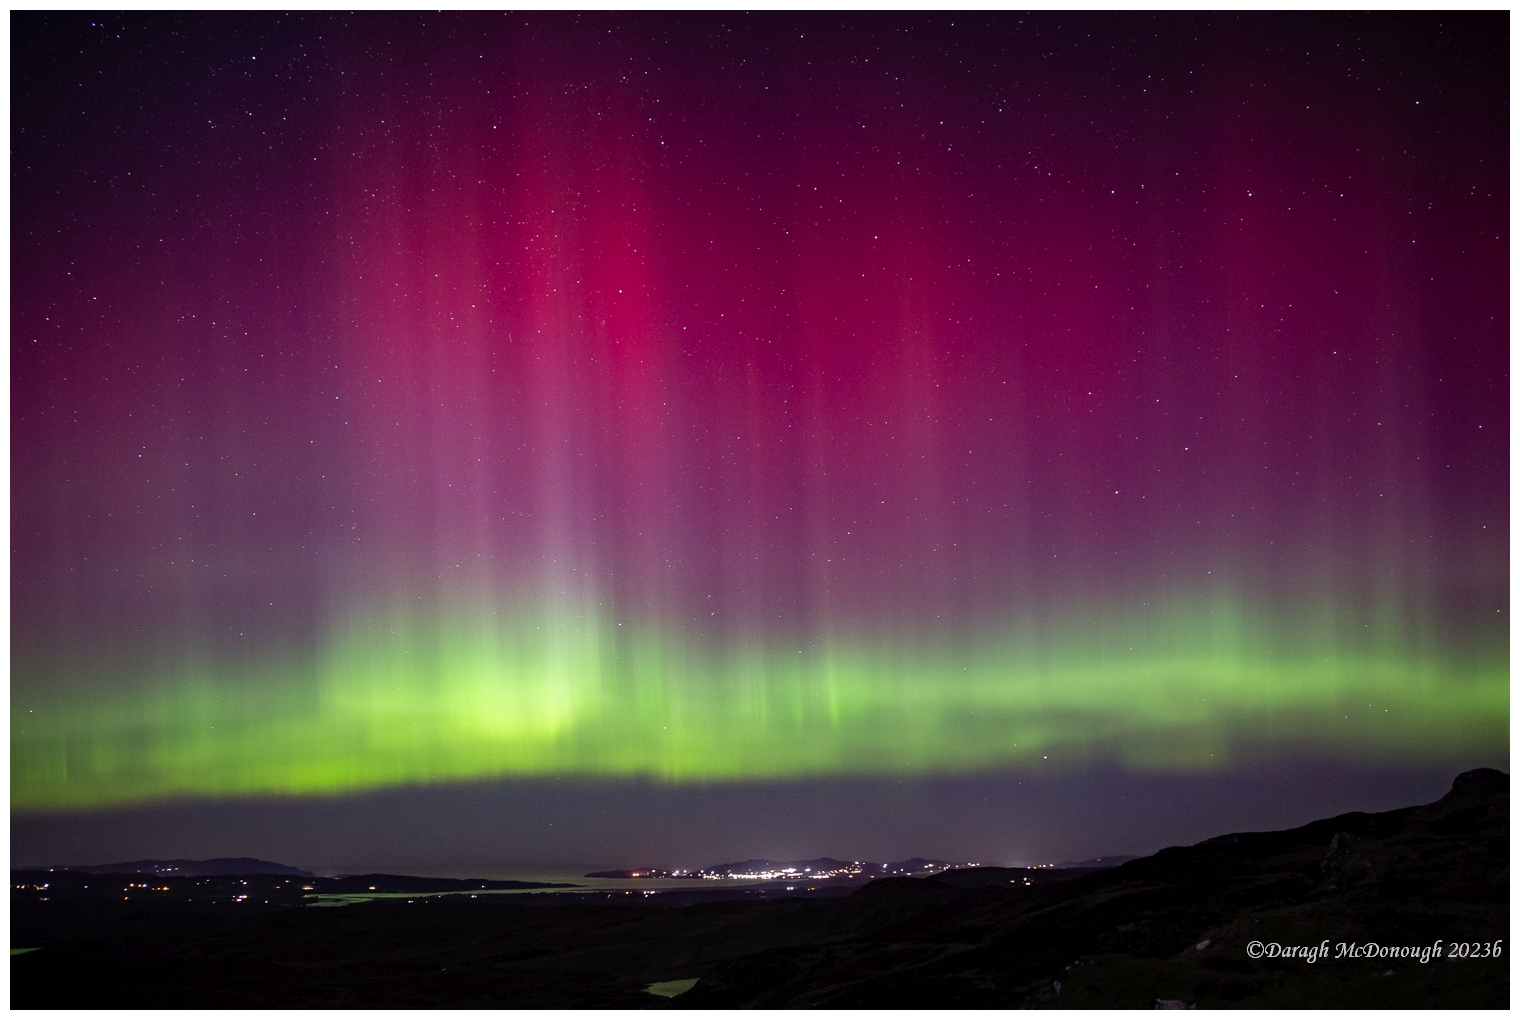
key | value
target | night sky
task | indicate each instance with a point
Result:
(984, 436)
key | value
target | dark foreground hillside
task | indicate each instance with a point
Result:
(1178, 926)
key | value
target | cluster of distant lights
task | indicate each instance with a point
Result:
(851, 870)
(38, 888)
(164, 888)
(145, 887)
(854, 869)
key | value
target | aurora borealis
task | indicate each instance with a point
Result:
(414, 400)
(405, 699)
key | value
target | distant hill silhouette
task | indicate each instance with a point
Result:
(215, 866)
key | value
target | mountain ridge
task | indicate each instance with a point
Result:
(211, 868)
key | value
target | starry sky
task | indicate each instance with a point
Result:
(495, 418)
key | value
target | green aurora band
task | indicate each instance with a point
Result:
(554, 689)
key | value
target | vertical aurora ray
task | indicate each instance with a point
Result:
(698, 400)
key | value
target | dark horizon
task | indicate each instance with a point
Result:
(510, 835)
